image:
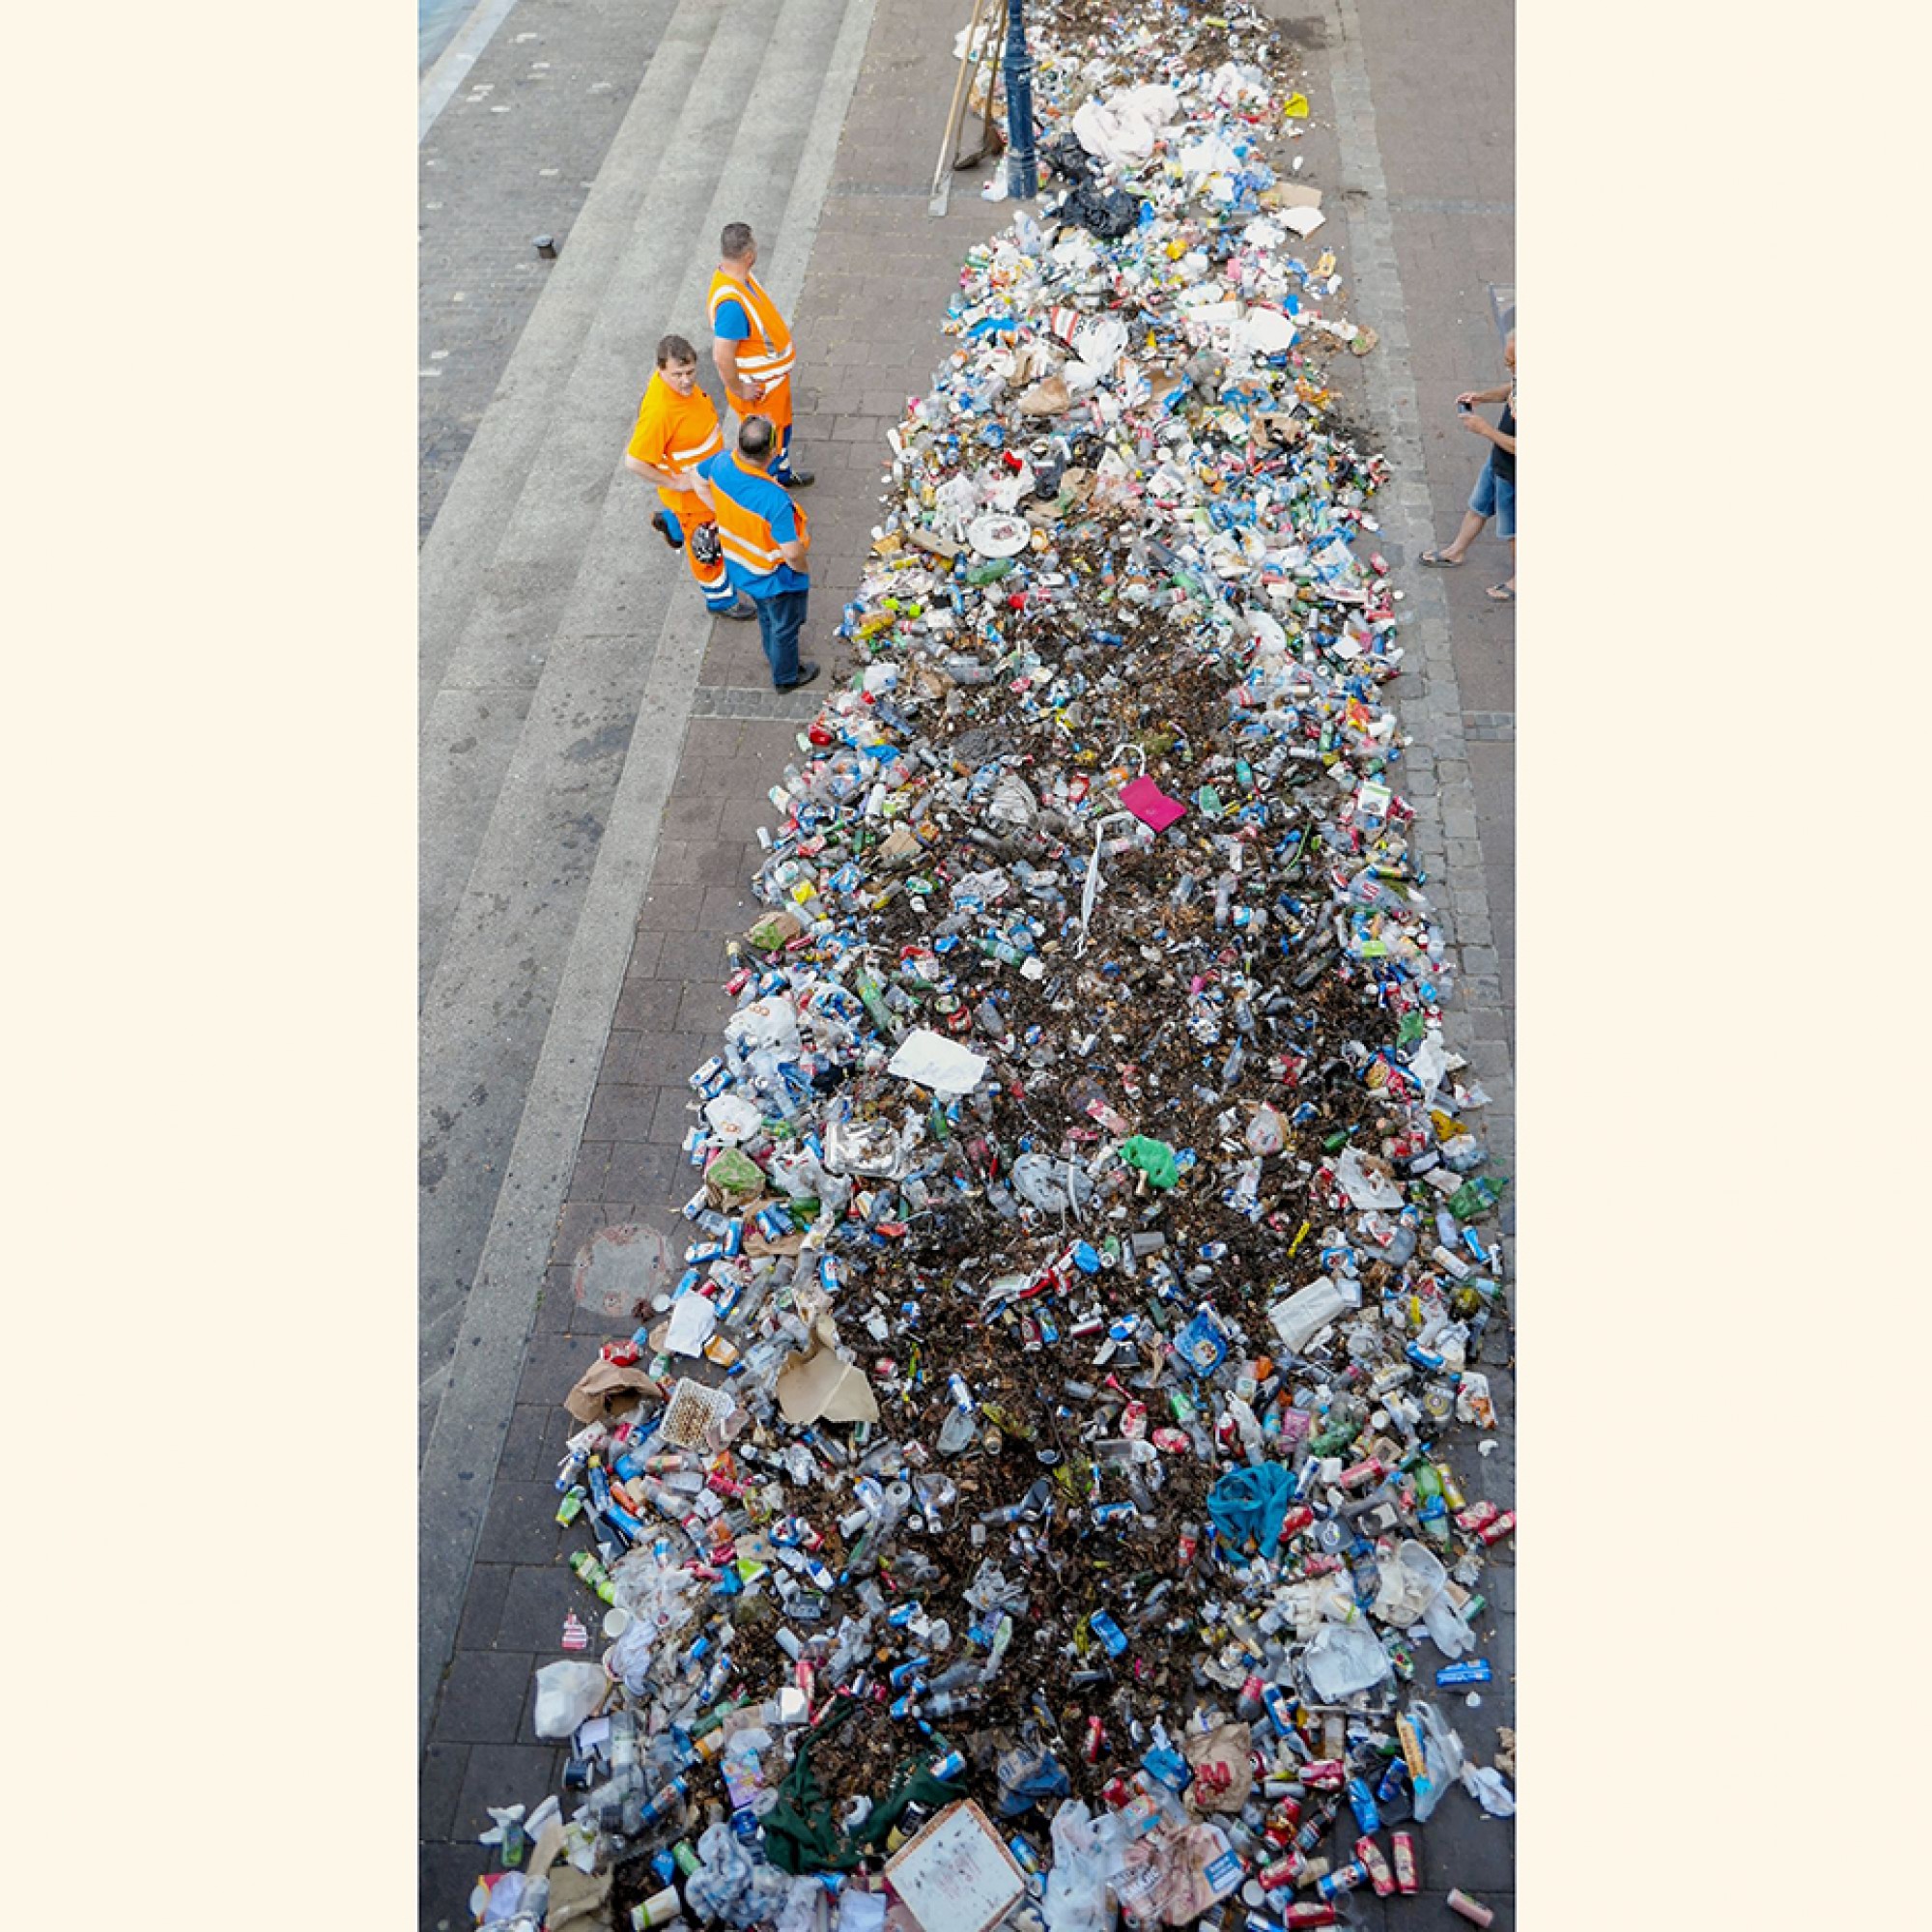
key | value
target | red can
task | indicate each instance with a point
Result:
(1477, 1516)
(1370, 1853)
(1117, 1791)
(1185, 1548)
(1286, 1815)
(1407, 1873)
(1471, 1908)
(620, 1354)
(1295, 1917)
(1361, 1474)
(1096, 1733)
(1325, 1774)
(1297, 1519)
(1285, 1870)
(1503, 1525)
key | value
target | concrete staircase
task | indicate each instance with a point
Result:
(560, 643)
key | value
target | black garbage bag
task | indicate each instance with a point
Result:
(1067, 157)
(1109, 214)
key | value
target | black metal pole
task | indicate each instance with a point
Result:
(1022, 168)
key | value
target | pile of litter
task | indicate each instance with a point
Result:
(1088, 1263)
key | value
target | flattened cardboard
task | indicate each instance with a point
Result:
(957, 1875)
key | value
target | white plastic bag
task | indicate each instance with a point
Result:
(1484, 1782)
(1448, 1628)
(1409, 1585)
(1076, 1887)
(1441, 1755)
(733, 1119)
(1303, 1316)
(1343, 1659)
(567, 1693)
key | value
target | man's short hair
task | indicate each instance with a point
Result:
(674, 348)
(735, 243)
(755, 436)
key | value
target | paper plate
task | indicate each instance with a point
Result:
(1267, 331)
(999, 536)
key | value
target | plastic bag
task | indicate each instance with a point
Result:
(1076, 1885)
(1409, 1585)
(567, 1693)
(1108, 215)
(1448, 1628)
(733, 1119)
(1344, 1659)
(1485, 1784)
(765, 1023)
(1308, 1310)
(721, 1882)
(1441, 1755)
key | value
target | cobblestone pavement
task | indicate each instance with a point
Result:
(1411, 140)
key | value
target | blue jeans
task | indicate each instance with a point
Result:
(1496, 496)
(780, 619)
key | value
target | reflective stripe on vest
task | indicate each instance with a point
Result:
(683, 459)
(776, 360)
(745, 535)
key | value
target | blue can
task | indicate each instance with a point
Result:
(1107, 1629)
(1362, 1803)
(1476, 1670)
(1280, 1709)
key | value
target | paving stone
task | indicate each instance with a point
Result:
(523, 1446)
(440, 1785)
(482, 1698)
(537, 1599)
(502, 1774)
(483, 1604)
(518, 1525)
(446, 1875)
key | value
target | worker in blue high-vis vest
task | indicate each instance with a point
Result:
(765, 541)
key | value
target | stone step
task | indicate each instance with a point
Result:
(468, 1407)
(511, 825)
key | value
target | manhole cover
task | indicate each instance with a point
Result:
(619, 1266)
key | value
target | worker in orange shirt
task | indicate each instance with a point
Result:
(678, 430)
(752, 347)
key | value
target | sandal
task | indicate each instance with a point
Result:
(1438, 560)
(1502, 593)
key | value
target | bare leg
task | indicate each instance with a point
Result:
(1512, 575)
(1472, 528)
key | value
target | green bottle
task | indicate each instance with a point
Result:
(873, 999)
(1476, 1197)
(589, 1571)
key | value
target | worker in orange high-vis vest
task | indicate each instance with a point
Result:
(765, 542)
(753, 347)
(678, 430)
